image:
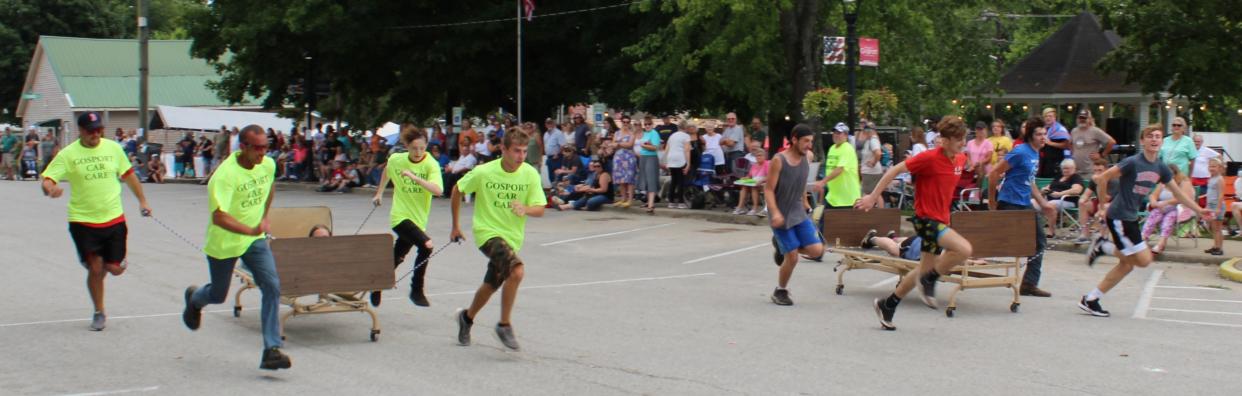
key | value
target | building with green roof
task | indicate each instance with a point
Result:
(69, 76)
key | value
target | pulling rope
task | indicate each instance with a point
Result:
(424, 262)
(364, 221)
(174, 232)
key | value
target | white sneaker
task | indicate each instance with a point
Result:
(672, 205)
(764, 213)
(683, 206)
(752, 212)
(739, 211)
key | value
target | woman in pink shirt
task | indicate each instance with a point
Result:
(979, 151)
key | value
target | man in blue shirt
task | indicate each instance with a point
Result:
(1016, 193)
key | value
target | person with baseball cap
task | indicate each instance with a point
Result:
(94, 167)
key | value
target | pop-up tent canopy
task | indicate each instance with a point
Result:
(199, 119)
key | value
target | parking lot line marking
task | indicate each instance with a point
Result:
(607, 235)
(1198, 323)
(1196, 311)
(603, 282)
(887, 281)
(117, 392)
(1144, 302)
(1198, 299)
(109, 318)
(726, 253)
(1191, 288)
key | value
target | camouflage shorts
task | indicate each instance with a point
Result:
(501, 261)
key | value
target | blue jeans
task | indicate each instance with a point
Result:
(258, 259)
(553, 164)
(1034, 264)
(593, 203)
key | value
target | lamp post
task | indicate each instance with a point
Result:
(850, 9)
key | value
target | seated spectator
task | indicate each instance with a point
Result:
(338, 179)
(439, 155)
(1062, 194)
(136, 165)
(594, 193)
(571, 166)
(1089, 202)
(1163, 209)
(155, 169)
(457, 169)
(750, 189)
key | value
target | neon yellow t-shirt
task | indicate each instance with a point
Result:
(410, 201)
(94, 174)
(1000, 144)
(845, 188)
(242, 193)
(494, 189)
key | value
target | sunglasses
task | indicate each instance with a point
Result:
(1178, 125)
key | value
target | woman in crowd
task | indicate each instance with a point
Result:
(625, 164)
(1062, 194)
(1162, 208)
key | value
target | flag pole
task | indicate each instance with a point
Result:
(519, 61)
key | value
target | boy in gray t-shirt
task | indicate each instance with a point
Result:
(1139, 174)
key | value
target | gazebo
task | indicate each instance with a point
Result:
(1062, 71)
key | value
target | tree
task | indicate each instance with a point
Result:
(23, 21)
(413, 59)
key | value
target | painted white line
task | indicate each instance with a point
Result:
(117, 392)
(1198, 299)
(726, 253)
(1144, 302)
(604, 282)
(607, 235)
(1196, 311)
(887, 281)
(1192, 288)
(1197, 323)
(109, 318)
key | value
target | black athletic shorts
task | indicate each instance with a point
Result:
(930, 231)
(501, 261)
(107, 243)
(1127, 235)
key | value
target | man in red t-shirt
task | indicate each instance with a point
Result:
(935, 174)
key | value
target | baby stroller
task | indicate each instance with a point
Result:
(708, 190)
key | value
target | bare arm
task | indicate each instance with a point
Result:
(870, 200)
(1038, 195)
(228, 222)
(994, 177)
(455, 205)
(429, 186)
(604, 180)
(136, 187)
(769, 192)
(378, 199)
(1186, 199)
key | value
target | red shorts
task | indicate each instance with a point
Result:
(1199, 181)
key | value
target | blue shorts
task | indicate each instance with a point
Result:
(802, 235)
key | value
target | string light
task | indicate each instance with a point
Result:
(954, 101)
(1008, 107)
(1025, 108)
(989, 107)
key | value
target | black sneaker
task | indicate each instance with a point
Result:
(98, 321)
(418, 298)
(192, 316)
(866, 241)
(1094, 252)
(781, 297)
(928, 290)
(377, 297)
(505, 335)
(1092, 307)
(463, 328)
(885, 314)
(776, 253)
(274, 360)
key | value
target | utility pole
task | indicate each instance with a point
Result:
(851, 58)
(143, 71)
(519, 61)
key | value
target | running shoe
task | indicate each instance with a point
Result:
(419, 298)
(192, 316)
(506, 337)
(866, 241)
(463, 328)
(274, 360)
(1092, 307)
(1094, 251)
(885, 314)
(928, 290)
(98, 321)
(781, 297)
(1082, 240)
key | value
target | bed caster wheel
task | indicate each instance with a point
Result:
(949, 311)
(236, 312)
(374, 335)
(282, 338)
(840, 289)
(1014, 307)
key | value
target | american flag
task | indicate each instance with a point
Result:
(530, 9)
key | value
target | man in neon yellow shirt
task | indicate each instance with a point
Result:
(506, 191)
(841, 172)
(240, 193)
(416, 178)
(94, 167)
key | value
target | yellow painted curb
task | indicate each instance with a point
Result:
(1232, 269)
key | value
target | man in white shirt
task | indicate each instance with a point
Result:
(1199, 174)
(734, 142)
(870, 152)
(454, 171)
(553, 140)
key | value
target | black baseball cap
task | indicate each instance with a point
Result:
(90, 121)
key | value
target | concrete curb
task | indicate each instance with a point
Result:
(1166, 257)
